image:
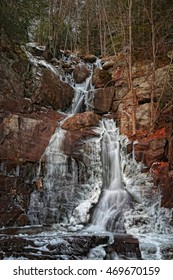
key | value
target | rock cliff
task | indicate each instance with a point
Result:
(30, 95)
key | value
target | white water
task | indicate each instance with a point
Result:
(129, 203)
(115, 200)
(71, 186)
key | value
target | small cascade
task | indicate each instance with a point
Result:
(69, 186)
(39, 61)
(115, 200)
(80, 101)
(78, 105)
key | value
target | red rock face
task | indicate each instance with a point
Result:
(150, 151)
(52, 92)
(25, 137)
(79, 127)
(163, 178)
(81, 120)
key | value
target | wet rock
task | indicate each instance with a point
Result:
(102, 99)
(81, 120)
(14, 193)
(68, 247)
(20, 132)
(126, 246)
(80, 73)
(61, 247)
(73, 141)
(19, 156)
(109, 64)
(51, 91)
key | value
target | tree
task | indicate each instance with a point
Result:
(16, 17)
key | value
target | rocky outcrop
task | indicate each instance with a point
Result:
(20, 134)
(151, 149)
(163, 177)
(89, 58)
(67, 247)
(81, 120)
(52, 92)
(28, 84)
(101, 99)
(25, 128)
(23, 140)
(101, 78)
(79, 128)
(80, 73)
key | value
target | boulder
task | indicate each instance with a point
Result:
(126, 246)
(35, 49)
(101, 78)
(90, 58)
(80, 73)
(119, 76)
(109, 64)
(143, 116)
(81, 120)
(102, 99)
(51, 91)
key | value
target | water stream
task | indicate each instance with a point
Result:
(115, 200)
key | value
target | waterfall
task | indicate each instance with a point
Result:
(104, 191)
(115, 200)
(70, 187)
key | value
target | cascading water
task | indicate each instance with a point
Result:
(129, 202)
(115, 200)
(71, 186)
(105, 187)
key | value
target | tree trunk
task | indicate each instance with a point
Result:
(130, 2)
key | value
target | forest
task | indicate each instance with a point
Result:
(101, 27)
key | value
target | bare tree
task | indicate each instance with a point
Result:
(133, 96)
